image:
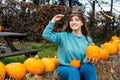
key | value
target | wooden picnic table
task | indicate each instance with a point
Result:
(10, 49)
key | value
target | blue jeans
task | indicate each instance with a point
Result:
(86, 72)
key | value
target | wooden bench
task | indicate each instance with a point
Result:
(11, 50)
(26, 52)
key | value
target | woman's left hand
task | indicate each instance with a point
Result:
(91, 60)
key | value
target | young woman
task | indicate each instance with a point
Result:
(72, 45)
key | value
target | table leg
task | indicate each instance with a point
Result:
(10, 44)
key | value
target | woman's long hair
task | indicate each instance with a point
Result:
(84, 28)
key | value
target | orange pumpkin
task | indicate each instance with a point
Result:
(2, 71)
(119, 46)
(93, 51)
(112, 48)
(49, 65)
(117, 42)
(55, 60)
(34, 65)
(16, 70)
(75, 63)
(0, 28)
(113, 38)
(104, 55)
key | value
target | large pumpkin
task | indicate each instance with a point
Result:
(104, 55)
(34, 66)
(16, 70)
(55, 60)
(2, 71)
(118, 46)
(112, 48)
(49, 64)
(75, 63)
(93, 51)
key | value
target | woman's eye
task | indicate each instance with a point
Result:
(77, 19)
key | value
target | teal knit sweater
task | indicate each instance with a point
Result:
(70, 46)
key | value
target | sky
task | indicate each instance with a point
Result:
(105, 7)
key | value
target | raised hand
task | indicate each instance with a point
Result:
(57, 17)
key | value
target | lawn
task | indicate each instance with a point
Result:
(45, 50)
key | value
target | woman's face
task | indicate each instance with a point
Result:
(75, 23)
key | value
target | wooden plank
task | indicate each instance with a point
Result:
(12, 34)
(26, 52)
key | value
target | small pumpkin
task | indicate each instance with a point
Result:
(112, 48)
(93, 51)
(1, 28)
(113, 38)
(104, 55)
(117, 42)
(49, 65)
(2, 71)
(16, 70)
(34, 65)
(75, 63)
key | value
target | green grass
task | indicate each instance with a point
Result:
(45, 50)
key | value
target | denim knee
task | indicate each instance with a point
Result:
(87, 67)
(88, 71)
(68, 73)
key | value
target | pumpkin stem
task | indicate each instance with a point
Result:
(36, 57)
(101, 45)
(93, 44)
(55, 56)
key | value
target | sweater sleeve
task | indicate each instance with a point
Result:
(49, 35)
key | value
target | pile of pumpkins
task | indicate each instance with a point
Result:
(105, 50)
(101, 53)
(35, 66)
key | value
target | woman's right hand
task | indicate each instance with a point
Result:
(92, 60)
(57, 17)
